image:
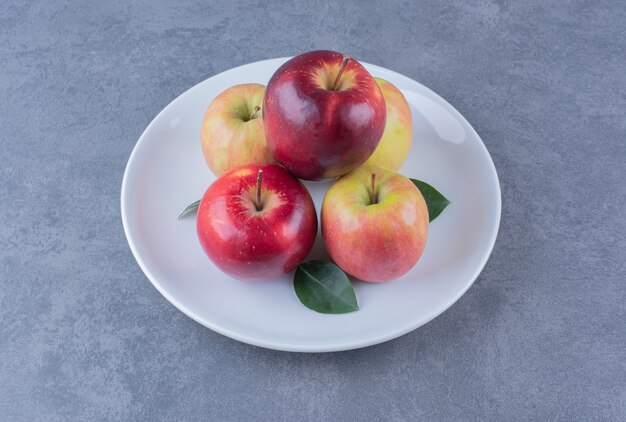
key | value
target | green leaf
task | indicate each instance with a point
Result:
(325, 288)
(435, 201)
(191, 208)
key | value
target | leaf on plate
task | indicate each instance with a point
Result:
(191, 208)
(435, 201)
(325, 288)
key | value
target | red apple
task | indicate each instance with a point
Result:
(324, 115)
(374, 223)
(257, 222)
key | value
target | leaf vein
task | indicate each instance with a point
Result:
(326, 287)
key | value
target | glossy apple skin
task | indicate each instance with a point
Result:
(256, 245)
(377, 242)
(317, 133)
(395, 144)
(229, 137)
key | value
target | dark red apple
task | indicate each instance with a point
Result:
(323, 114)
(257, 222)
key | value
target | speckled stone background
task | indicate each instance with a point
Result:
(540, 336)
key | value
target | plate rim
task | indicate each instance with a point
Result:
(282, 346)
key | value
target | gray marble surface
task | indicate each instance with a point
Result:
(541, 334)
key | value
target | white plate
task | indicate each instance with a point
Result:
(166, 172)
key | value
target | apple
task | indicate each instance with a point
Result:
(374, 223)
(232, 130)
(257, 222)
(397, 138)
(324, 115)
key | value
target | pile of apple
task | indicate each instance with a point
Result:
(322, 116)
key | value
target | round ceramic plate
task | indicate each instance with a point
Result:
(166, 172)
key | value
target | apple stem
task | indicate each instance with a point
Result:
(259, 181)
(346, 59)
(373, 195)
(255, 110)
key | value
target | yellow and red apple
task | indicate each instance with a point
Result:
(232, 130)
(374, 223)
(395, 144)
